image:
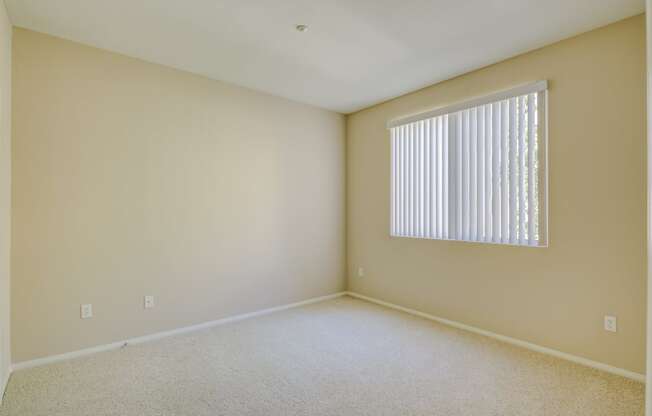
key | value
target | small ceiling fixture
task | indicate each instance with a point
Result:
(302, 28)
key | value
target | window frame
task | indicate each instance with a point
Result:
(538, 87)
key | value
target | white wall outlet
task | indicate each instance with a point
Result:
(149, 301)
(360, 271)
(86, 311)
(610, 323)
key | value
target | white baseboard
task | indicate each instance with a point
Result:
(4, 381)
(524, 344)
(146, 338)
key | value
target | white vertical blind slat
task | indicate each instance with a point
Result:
(473, 175)
(497, 153)
(444, 178)
(461, 182)
(423, 208)
(488, 174)
(464, 163)
(532, 157)
(399, 179)
(423, 178)
(481, 160)
(413, 181)
(419, 178)
(392, 227)
(404, 185)
(504, 168)
(522, 180)
(409, 165)
(541, 183)
(432, 175)
(453, 185)
(513, 173)
(428, 210)
(434, 178)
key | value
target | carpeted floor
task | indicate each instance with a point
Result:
(340, 357)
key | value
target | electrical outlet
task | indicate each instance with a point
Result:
(610, 323)
(360, 272)
(149, 301)
(86, 311)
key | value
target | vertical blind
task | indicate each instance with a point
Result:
(475, 171)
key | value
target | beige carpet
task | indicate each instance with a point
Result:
(341, 357)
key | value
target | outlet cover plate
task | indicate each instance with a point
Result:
(86, 311)
(610, 323)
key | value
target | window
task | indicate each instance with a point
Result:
(475, 171)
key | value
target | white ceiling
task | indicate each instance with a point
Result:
(355, 54)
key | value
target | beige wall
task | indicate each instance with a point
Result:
(133, 179)
(5, 193)
(595, 265)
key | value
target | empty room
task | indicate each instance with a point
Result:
(346, 208)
